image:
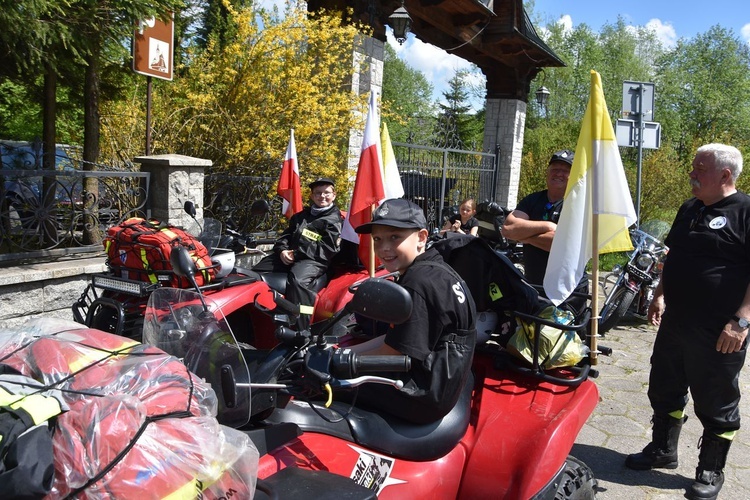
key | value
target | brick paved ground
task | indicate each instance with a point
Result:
(620, 425)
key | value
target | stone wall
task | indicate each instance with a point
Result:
(47, 289)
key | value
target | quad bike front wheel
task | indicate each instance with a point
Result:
(578, 482)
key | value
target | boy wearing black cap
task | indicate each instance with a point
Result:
(440, 334)
(306, 247)
(534, 221)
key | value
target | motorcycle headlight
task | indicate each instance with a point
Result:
(644, 261)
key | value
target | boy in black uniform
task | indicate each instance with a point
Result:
(702, 307)
(307, 246)
(440, 334)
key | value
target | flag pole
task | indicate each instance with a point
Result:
(594, 329)
(371, 257)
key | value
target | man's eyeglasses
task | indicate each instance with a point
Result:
(697, 218)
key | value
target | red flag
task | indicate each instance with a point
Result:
(368, 187)
(288, 187)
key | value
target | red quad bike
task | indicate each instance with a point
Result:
(509, 435)
(116, 305)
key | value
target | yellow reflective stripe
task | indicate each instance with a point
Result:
(187, 491)
(91, 357)
(303, 309)
(729, 435)
(495, 292)
(40, 407)
(678, 414)
(147, 265)
(311, 235)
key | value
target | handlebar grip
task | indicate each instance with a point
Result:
(286, 306)
(387, 363)
(348, 364)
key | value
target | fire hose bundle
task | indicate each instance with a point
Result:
(124, 420)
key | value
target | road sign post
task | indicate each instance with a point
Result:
(153, 55)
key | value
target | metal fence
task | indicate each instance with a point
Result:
(439, 178)
(50, 213)
(45, 212)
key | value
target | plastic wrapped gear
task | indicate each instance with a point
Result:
(139, 425)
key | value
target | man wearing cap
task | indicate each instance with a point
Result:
(306, 247)
(440, 334)
(534, 221)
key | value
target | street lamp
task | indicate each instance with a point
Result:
(400, 23)
(542, 94)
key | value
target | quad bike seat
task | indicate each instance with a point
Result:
(382, 432)
(277, 281)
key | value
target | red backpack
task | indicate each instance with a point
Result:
(139, 249)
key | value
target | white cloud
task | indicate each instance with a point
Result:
(664, 32)
(437, 65)
(745, 32)
(566, 22)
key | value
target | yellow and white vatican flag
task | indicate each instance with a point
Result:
(598, 207)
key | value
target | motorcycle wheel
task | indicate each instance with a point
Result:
(613, 312)
(578, 482)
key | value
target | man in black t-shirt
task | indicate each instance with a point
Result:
(534, 222)
(702, 308)
(440, 334)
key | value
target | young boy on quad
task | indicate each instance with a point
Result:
(439, 336)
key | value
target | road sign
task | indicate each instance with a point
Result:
(631, 92)
(627, 134)
(153, 48)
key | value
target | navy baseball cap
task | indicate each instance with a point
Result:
(321, 180)
(565, 156)
(396, 212)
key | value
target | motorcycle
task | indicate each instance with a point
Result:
(509, 436)
(117, 305)
(635, 283)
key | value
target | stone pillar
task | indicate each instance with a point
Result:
(175, 179)
(504, 125)
(367, 75)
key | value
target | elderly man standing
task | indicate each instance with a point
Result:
(702, 308)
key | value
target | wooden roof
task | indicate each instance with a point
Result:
(496, 35)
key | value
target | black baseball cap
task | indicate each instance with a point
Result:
(321, 180)
(396, 212)
(565, 156)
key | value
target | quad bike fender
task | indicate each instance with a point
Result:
(524, 432)
(392, 478)
(336, 294)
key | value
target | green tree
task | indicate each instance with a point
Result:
(236, 104)
(703, 89)
(457, 127)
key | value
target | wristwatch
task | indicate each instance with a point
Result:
(741, 321)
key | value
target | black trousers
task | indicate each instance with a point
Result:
(300, 277)
(685, 358)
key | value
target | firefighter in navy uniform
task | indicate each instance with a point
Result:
(702, 308)
(306, 247)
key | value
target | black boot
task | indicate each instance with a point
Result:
(709, 476)
(661, 452)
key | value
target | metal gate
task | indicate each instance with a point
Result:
(439, 178)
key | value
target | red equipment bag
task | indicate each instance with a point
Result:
(139, 249)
